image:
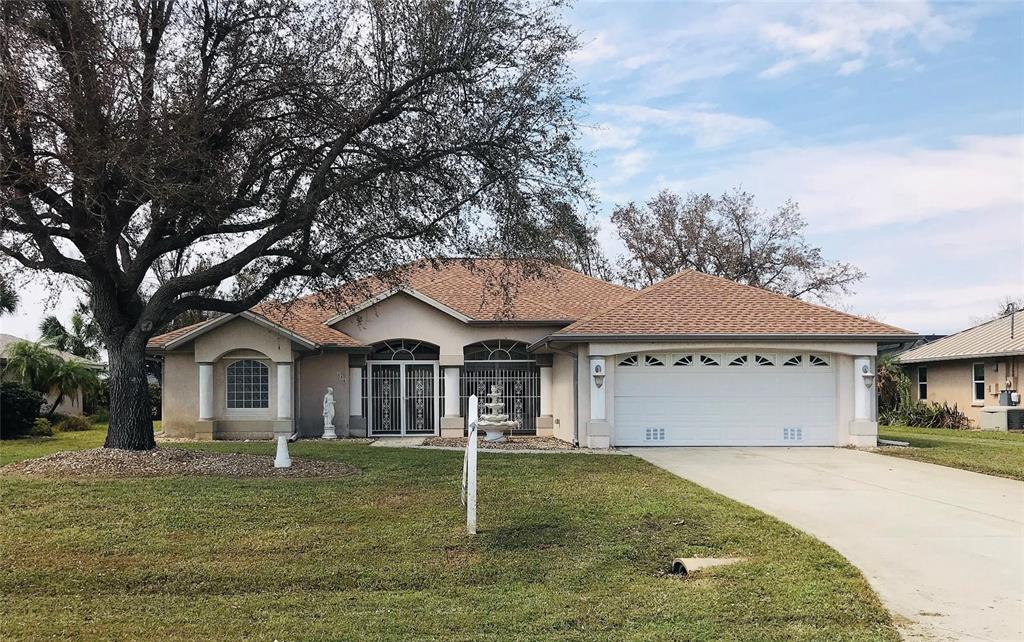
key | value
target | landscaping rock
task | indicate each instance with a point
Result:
(511, 443)
(169, 462)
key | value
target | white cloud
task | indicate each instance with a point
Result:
(873, 184)
(851, 32)
(596, 50)
(707, 128)
(628, 165)
(611, 136)
(851, 67)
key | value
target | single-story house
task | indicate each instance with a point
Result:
(692, 360)
(70, 405)
(971, 369)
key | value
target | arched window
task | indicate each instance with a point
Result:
(497, 350)
(248, 384)
(405, 350)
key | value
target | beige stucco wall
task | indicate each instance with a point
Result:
(952, 382)
(317, 372)
(180, 394)
(562, 396)
(236, 339)
(404, 317)
(242, 334)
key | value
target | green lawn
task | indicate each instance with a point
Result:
(994, 453)
(17, 449)
(571, 548)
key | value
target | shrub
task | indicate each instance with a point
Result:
(896, 405)
(74, 424)
(42, 428)
(19, 408)
(101, 416)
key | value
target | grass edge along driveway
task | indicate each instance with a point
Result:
(981, 451)
(572, 547)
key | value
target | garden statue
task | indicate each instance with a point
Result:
(329, 415)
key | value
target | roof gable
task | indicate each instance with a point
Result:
(999, 337)
(693, 304)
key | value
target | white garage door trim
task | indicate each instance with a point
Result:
(722, 398)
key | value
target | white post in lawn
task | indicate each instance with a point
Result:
(469, 469)
(282, 460)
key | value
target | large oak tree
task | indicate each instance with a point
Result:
(175, 156)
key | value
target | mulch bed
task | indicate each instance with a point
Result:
(169, 462)
(511, 443)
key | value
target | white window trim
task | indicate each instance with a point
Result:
(922, 383)
(248, 412)
(975, 401)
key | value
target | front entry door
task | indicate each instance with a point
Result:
(403, 398)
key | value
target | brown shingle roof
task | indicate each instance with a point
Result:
(691, 303)
(471, 288)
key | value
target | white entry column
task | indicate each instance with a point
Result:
(598, 429)
(545, 391)
(205, 391)
(452, 423)
(284, 391)
(355, 392)
(451, 392)
(864, 426)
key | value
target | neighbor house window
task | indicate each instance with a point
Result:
(922, 383)
(248, 384)
(979, 382)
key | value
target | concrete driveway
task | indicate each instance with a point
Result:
(944, 548)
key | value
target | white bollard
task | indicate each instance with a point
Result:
(282, 460)
(469, 469)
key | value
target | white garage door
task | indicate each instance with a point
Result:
(725, 399)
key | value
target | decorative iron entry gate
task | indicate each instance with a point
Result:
(403, 398)
(520, 386)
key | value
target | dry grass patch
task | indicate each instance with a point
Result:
(169, 462)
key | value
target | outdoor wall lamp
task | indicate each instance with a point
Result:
(869, 376)
(598, 372)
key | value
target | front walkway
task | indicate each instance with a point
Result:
(944, 548)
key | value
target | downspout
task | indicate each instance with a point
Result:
(297, 399)
(575, 390)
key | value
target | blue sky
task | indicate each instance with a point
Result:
(897, 127)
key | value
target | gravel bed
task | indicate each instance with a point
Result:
(511, 443)
(169, 462)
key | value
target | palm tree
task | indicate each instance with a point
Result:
(81, 340)
(70, 377)
(43, 370)
(8, 298)
(33, 364)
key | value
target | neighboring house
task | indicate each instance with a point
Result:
(694, 359)
(895, 347)
(970, 368)
(70, 405)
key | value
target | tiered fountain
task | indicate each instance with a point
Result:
(494, 423)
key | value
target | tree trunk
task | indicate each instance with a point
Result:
(131, 421)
